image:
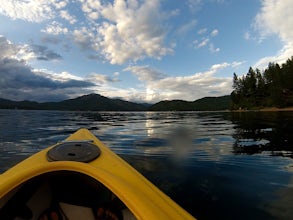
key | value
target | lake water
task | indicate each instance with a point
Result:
(216, 165)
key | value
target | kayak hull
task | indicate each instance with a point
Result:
(140, 196)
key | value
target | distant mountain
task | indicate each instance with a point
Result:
(91, 102)
(213, 103)
(8, 104)
(95, 102)
(204, 104)
(173, 105)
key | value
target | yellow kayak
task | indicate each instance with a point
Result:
(81, 178)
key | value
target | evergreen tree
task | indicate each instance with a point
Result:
(273, 87)
(273, 78)
(261, 93)
(251, 82)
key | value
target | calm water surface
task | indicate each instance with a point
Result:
(217, 165)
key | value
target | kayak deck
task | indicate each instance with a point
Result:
(83, 182)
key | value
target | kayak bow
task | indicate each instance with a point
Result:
(78, 172)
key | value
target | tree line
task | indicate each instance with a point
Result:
(272, 87)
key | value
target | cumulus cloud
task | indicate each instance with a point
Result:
(91, 8)
(145, 73)
(55, 28)
(33, 11)
(276, 17)
(84, 38)
(60, 4)
(7, 48)
(26, 52)
(161, 87)
(132, 31)
(39, 52)
(65, 15)
(121, 31)
(20, 81)
(21, 78)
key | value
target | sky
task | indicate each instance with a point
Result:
(137, 50)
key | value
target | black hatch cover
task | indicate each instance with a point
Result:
(80, 151)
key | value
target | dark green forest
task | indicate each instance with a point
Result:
(272, 87)
(203, 104)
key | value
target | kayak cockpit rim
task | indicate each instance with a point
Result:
(60, 189)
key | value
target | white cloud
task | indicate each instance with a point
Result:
(26, 52)
(145, 73)
(8, 49)
(160, 87)
(215, 32)
(237, 64)
(206, 40)
(36, 52)
(202, 43)
(61, 4)
(132, 31)
(19, 81)
(84, 38)
(219, 66)
(33, 11)
(284, 54)
(55, 28)
(121, 31)
(129, 94)
(61, 77)
(91, 8)
(276, 17)
(65, 15)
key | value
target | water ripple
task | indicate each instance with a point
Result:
(206, 161)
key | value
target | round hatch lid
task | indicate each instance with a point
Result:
(74, 151)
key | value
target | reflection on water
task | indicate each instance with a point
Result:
(263, 132)
(217, 165)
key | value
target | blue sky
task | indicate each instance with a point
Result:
(137, 50)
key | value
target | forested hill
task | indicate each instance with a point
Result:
(271, 88)
(95, 102)
(204, 104)
(91, 102)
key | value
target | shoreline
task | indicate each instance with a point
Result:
(268, 109)
(275, 109)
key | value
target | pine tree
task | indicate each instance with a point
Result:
(273, 87)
